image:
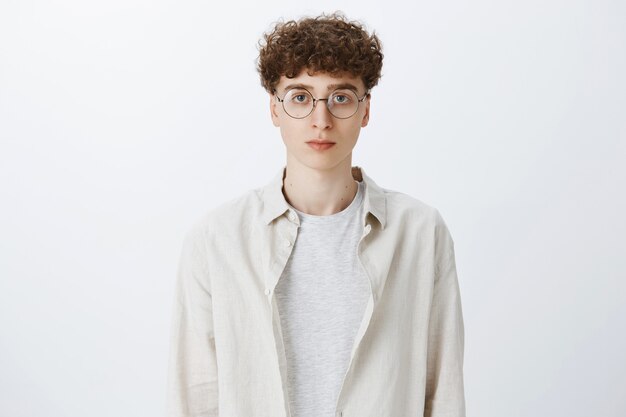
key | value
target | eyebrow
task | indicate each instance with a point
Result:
(329, 88)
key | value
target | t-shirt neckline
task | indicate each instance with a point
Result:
(331, 218)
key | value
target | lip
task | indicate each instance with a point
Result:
(320, 141)
(320, 146)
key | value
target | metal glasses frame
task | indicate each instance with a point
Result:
(315, 100)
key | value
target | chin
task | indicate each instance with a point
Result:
(322, 163)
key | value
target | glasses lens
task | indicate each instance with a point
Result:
(343, 103)
(298, 103)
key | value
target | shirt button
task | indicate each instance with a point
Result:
(368, 227)
(287, 243)
(268, 291)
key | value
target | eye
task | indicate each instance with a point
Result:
(342, 97)
(299, 97)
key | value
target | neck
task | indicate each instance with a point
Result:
(319, 192)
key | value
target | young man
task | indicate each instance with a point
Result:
(320, 294)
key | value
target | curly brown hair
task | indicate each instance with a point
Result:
(327, 43)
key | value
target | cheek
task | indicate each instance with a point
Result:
(352, 131)
(289, 131)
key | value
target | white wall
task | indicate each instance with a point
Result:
(123, 121)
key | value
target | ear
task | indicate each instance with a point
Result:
(273, 110)
(366, 116)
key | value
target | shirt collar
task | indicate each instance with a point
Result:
(275, 205)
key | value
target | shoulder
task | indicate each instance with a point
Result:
(228, 216)
(404, 208)
(412, 216)
(420, 221)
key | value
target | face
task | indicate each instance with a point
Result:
(320, 124)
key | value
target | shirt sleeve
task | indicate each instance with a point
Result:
(445, 395)
(192, 385)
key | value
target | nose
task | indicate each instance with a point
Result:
(321, 117)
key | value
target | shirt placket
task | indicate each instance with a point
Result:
(361, 247)
(281, 245)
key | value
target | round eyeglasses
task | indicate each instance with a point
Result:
(299, 103)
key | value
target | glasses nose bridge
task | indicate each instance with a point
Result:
(315, 100)
(324, 118)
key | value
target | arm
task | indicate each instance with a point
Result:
(444, 382)
(192, 375)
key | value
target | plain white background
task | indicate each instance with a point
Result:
(121, 122)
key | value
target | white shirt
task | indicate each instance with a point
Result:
(227, 352)
(321, 297)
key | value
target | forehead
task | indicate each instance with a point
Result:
(321, 82)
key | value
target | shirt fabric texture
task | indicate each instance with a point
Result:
(227, 350)
(321, 297)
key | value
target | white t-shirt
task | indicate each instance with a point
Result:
(321, 296)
